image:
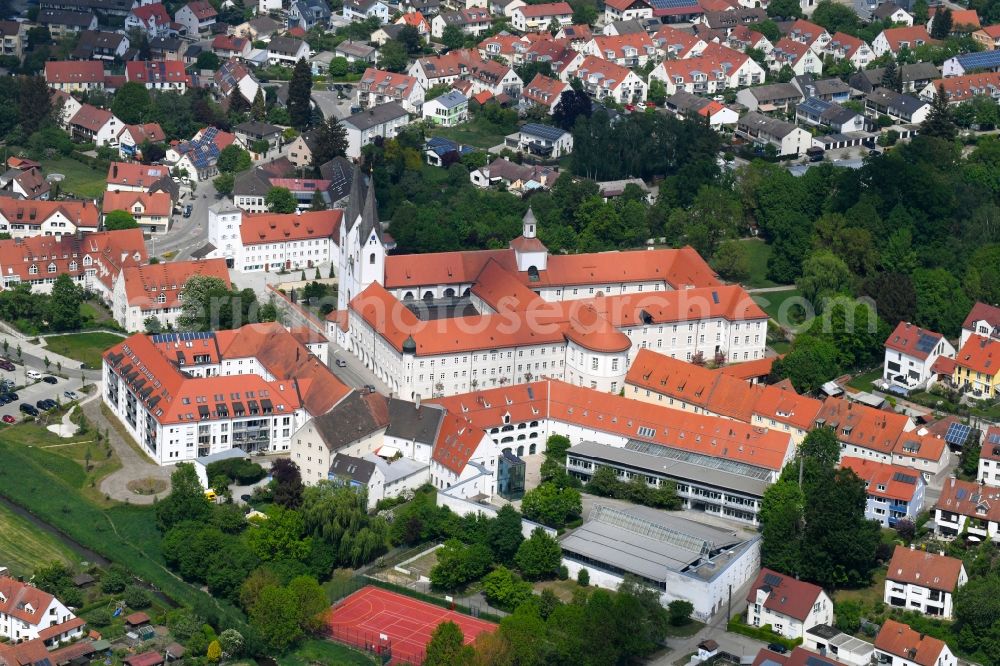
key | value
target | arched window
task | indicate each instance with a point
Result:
(531, 449)
(33, 269)
(449, 293)
(371, 258)
(72, 265)
(520, 451)
(408, 296)
(428, 296)
(505, 440)
(520, 437)
(52, 268)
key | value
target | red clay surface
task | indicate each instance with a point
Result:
(407, 622)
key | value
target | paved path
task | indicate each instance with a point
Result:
(66, 428)
(767, 290)
(33, 355)
(134, 465)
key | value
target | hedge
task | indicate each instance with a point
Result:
(765, 633)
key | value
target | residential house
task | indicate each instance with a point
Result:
(983, 61)
(447, 110)
(300, 151)
(847, 47)
(383, 121)
(495, 78)
(230, 46)
(385, 33)
(74, 75)
(307, 14)
(817, 112)
(97, 45)
(910, 352)
(25, 183)
(915, 77)
(151, 210)
(810, 34)
(447, 68)
(197, 18)
(472, 21)
(893, 13)
(800, 656)
(27, 613)
(158, 74)
(198, 157)
(864, 431)
(718, 68)
(260, 28)
(786, 138)
(977, 367)
(417, 21)
(25, 219)
(168, 48)
(899, 107)
(730, 18)
(131, 138)
(893, 492)
(632, 50)
(286, 51)
(135, 177)
(13, 38)
(251, 133)
(989, 458)
(544, 92)
(517, 178)
(924, 582)
(272, 241)
(983, 320)
(625, 10)
(355, 52)
(603, 79)
(304, 190)
(770, 97)
(695, 106)
(153, 291)
(106, 10)
(788, 606)
(91, 124)
(533, 18)
(963, 21)
(441, 152)
(63, 23)
(828, 90)
(799, 56)
(988, 37)
(891, 40)
(380, 87)
(360, 10)
(744, 37)
(233, 76)
(505, 8)
(966, 507)
(899, 645)
(543, 141)
(250, 190)
(958, 89)
(576, 35)
(381, 477)
(152, 19)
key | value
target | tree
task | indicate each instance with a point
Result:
(115, 579)
(821, 447)
(781, 516)
(835, 17)
(331, 141)
(584, 14)
(119, 219)
(787, 9)
(202, 299)
(63, 311)
(35, 100)
(214, 653)
(571, 105)
(137, 598)
(207, 60)
(732, 261)
(186, 500)
(824, 275)
(447, 647)
(453, 37)
(233, 159)
(459, 564)
(982, 277)
(505, 535)
(539, 556)
(280, 537)
(276, 617)
(811, 363)
(311, 601)
(224, 183)
(941, 303)
(300, 95)
(287, 483)
(939, 122)
(680, 612)
(131, 103)
(941, 23)
(280, 200)
(551, 505)
(393, 56)
(892, 77)
(258, 110)
(232, 643)
(410, 39)
(504, 589)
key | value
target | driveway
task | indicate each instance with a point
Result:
(332, 105)
(187, 234)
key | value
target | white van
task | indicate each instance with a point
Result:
(34, 374)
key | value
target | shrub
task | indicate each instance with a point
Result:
(137, 598)
(680, 612)
(114, 580)
(583, 577)
(562, 572)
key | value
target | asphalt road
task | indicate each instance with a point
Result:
(330, 104)
(187, 234)
(37, 390)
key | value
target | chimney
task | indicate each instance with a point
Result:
(114, 170)
(298, 212)
(296, 354)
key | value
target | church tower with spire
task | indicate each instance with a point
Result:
(531, 254)
(362, 250)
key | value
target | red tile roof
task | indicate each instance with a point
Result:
(980, 354)
(544, 90)
(883, 475)
(145, 284)
(900, 640)
(930, 570)
(22, 601)
(863, 426)
(797, 657)
(91, 117)
(967, 498)
(546, 9)
(921, 447)
(281, 227)
(609, 74)
(229, 43)
(74, 71)
(848, 44)
(155, 11)
(983, 312)
(456, 442)
(806, 32)
(202, 9)
(156, 71)
(913, 340)
(675, 41)
(785, 595)
(144, 659)
(943, 365)
(156, 204)
(622, 5)
(991, 444)
(133, 174)
(27, 653)
(139, 133)
(962, 88)
(912, 35)
(617, 45)
(961, 17)
(789, 51)
(81, 213)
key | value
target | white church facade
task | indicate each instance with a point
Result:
(439, 324)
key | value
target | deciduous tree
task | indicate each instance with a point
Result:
(539, 556)
(119, 219)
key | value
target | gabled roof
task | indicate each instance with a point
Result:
(155, 203)
(785, 594)
(202, 10)
(91, 117)
(156, 71)
(155, 12)
(913, 340)
(357, 416)
(983, 312)
(74, 71)
(22, 601)
(967, 498)
(622, 5)
(847, 44)
(900, 640)
(912, 35)
(859, 425)
(544, 90)
(619, 45)
(884, 480)
(546, 9)
(602, 72)
(285, 227)
(930, 570)
(806, 32)
(962, 88)
(285, 45)
(886, 9)
(980, 354)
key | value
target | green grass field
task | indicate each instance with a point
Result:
(477, 132)
(759, 252)
(80, 179)
(84, 347)
(772, 301)
(863, 382)
(324, 652)
(23, 547)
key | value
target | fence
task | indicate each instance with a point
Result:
(372, 643)
(336, 592)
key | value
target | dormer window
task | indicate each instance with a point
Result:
(52, 268)
(33, 269)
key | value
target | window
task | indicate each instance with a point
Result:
(593, 364)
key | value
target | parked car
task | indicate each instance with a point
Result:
(50, 403)
(341, 363)
(187, 210)
(28, 409)
(41, 404)
(7, 418)
(777, 647)
(13, 396)
(71, 395)
(5, 364)
(4, 399)
(33, 374)
(49, 379)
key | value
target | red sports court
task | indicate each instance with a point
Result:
(378, 620)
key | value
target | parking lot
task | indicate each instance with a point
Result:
(37, 390)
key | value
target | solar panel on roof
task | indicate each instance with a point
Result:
(979, 59)
(957, 434)
(961, 493)
(543, 131)
(925, 343)
(994, 438)
(904, 478)
(816, 661)
(672, 4)
(772, 579)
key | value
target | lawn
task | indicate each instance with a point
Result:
(95, 313)
(23, 547)
(759, 252)
(478, 132)
(867, 596)
(84, 347)
(324, 652)
(80, 179)
(685, 630)
(863, 382)
(772, 303)
(562, 588)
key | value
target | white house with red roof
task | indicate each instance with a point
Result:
(718, 68)
(152, 19)
(93, 124)
(983, 320)
(675, 43)
(74, 75)
(788, 605)
(28, 613)
(197, 18)
(231, 46)
(416, 20)
(131, 138)
(151, 210)
(847, 47)
(958, 89)
(626, 10)
(199, 156)
(923, 581)
(158, 74)
(808, 33)
(795, 54)
(891, 40)
(910, 353)
(381, 87)
(629, 50)
(273, 241)
(544, 91)
(532, 18)
(154, 290)
(989, 458)
(893, 492)
(897, 644)
(602, 79)
(23, 218)
(744, 37)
